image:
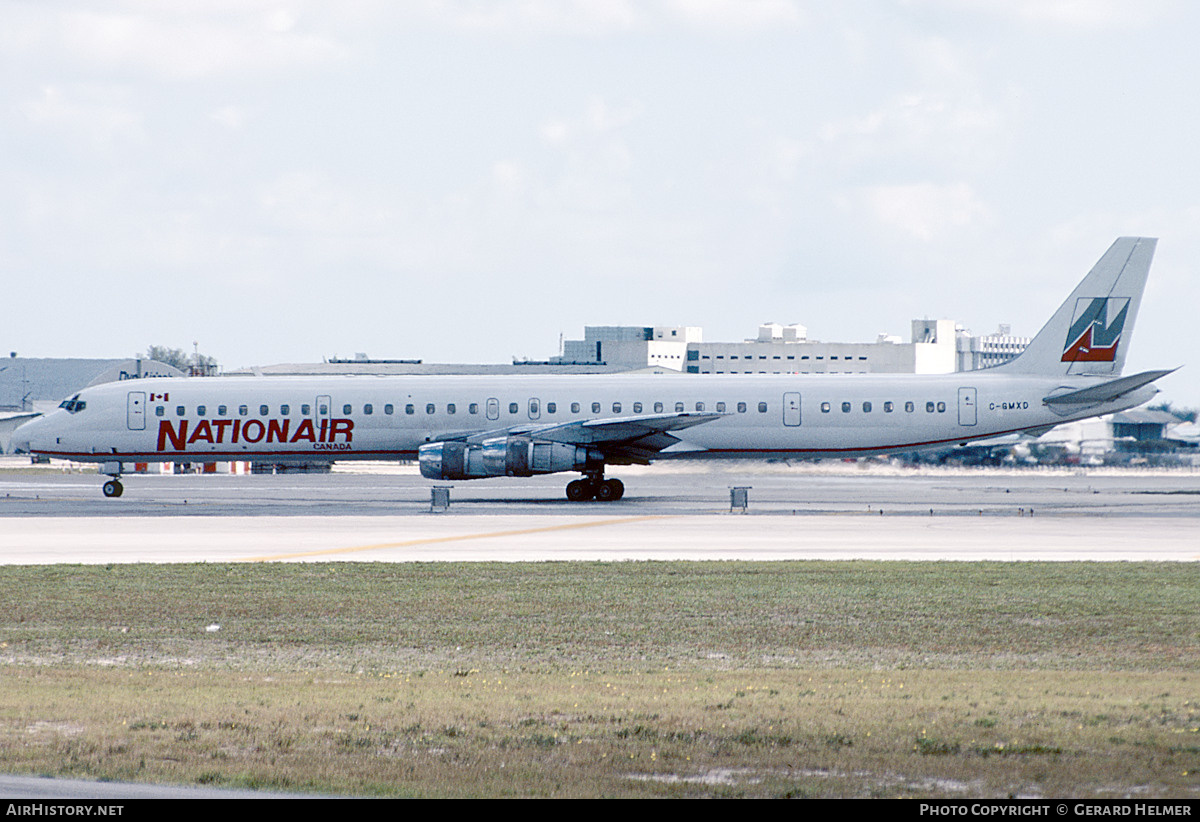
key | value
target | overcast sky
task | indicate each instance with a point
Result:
(464, 181)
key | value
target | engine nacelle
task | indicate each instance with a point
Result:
(501, 457)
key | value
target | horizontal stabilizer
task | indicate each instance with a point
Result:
(1106, 391)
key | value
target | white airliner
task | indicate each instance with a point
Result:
(468, 427)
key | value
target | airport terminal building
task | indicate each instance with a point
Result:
(934, 347)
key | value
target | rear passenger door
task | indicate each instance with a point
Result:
(791, 408)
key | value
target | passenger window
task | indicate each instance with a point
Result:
(430, 408)
(513, 408)
(410, 409)
(887, 408)
(866, 408)
(928, 408)
(845, 408)
(616, 408)
(574, 408)
(762, 408)
(909, 407)
(243, 410)
(595, 408)
(473, 408)
(222, 410)
(389, 409)
(451, 408)
(200, 410)
(346, 410)
(658, 407)
(699, 406)
(678, 407)
(637, 408)
(551, 407)
(742, 407)
(159, 411)
(368, 409)
(941, 408)
(263, 410)
(284, 410)
(720, 408)
(825, 408)
(180, 411)
(306, 409)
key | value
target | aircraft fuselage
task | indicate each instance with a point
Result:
(285, 419)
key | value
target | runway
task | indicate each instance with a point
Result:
(381, 513)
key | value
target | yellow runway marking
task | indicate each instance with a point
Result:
(456, 538)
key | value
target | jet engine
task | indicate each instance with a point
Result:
(512, 456)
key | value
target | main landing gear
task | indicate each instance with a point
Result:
(113, 488)
(594, 486)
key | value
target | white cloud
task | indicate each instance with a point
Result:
(737, 15)
(597, 119)
(922, 211)
(169, 40)
(309, 204)
(99, 115)
(525, 17)
(921, 124)
(1082, 14)
(232, 117)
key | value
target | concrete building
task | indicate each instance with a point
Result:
(627, 347)
(787, 350)
(989, 349)
(934, 347)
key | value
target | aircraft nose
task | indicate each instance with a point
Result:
(22, 438)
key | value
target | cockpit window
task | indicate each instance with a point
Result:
(73, 405)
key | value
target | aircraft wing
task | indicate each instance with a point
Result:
(624, 440)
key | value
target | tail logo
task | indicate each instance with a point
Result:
(1096, 329)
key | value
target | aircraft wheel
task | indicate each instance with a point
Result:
(580, 490)
(113, 488)
(609, 490)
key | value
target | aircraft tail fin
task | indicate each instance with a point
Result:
(1089, 334)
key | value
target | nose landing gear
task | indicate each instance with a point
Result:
(113, 488)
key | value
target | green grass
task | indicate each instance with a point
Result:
(609, 679)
